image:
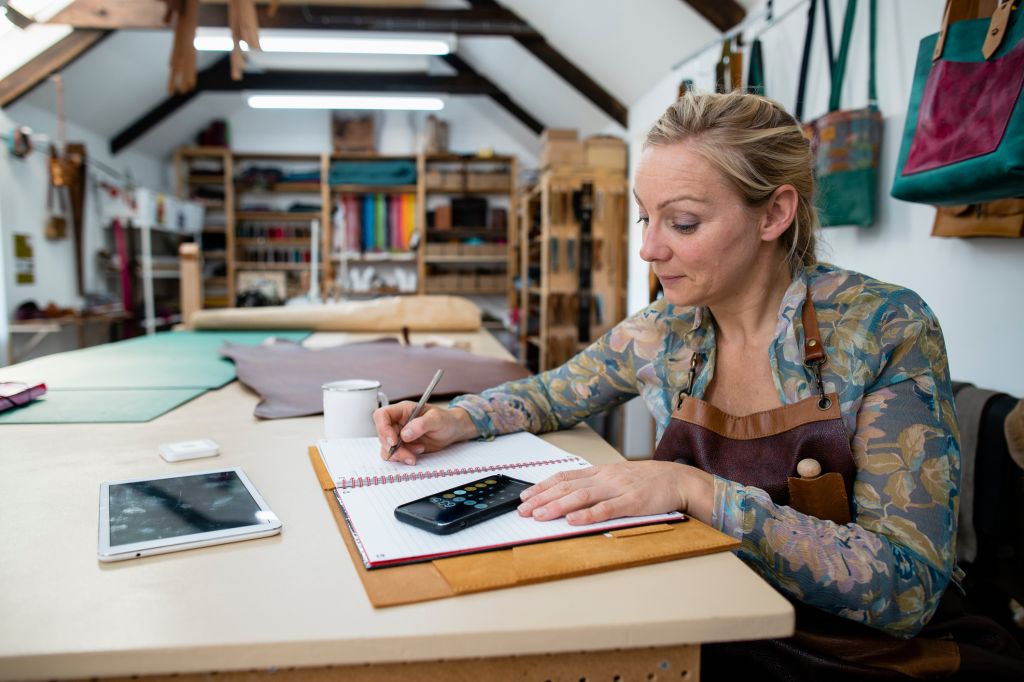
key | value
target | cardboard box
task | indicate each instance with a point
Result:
(559, 135)
(354, 134)
(604, 151)
(489, 182)
(562, 153)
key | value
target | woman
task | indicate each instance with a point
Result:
(798, 360)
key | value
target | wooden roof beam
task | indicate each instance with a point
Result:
(217, 78)
(148, 14)
(723, 14)
(58, 56)
(570, 73)
(497, 94)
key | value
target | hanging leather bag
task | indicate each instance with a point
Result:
(963, 142)
(1002, 218)
(846, 142)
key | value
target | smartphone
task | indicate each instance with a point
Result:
(451, 510)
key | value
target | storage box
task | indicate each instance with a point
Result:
(433, 179)
(489, 182)
(605, 151)
(443, 217)
(467, 281)
(354, 134)
(561, 147)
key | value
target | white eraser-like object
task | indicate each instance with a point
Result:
(188, 449)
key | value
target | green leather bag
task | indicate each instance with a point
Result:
(847, 142)
(963, 142)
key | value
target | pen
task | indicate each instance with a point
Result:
(416, 411)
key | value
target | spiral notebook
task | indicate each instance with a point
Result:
(368, 489)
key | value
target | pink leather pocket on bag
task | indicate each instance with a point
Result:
(965, 110)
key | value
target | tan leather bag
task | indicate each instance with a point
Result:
(1003, 218)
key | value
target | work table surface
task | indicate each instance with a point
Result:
(294, 599)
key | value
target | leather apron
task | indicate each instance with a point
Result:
(763, 450)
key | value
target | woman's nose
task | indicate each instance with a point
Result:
(652, 248)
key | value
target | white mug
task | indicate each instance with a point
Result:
(349, 406)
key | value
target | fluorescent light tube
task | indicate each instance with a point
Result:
(323, 45)
(345, 102)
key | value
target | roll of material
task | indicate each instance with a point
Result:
(389, 313)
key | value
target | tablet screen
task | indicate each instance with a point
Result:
(184, 505)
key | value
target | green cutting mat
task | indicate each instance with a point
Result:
(96, 406)
(164, 360)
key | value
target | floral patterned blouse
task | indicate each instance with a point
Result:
(887, 568)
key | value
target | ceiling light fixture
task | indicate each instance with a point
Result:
(345, 102)
(312, 44)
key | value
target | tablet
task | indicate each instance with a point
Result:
(146, 516)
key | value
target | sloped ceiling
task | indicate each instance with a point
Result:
(624, 45)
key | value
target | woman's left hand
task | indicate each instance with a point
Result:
(611, 491)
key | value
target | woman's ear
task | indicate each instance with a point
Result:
(780, 210)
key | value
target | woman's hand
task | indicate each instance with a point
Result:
(433, 429)
(611, 491)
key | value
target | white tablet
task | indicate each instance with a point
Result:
(147, 516)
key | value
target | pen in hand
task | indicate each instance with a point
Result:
(415, 412)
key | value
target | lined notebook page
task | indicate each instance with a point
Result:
(354, 462)
(383, 540)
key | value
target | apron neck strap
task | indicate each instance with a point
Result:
(814, 350)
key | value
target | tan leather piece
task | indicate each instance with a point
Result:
(1002, 218)
(918, 657)
(823, 497)
(387, 313)
(525, 564)
(997, 29)
(759, 424)
(572, 557)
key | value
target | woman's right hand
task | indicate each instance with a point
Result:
(434, 428)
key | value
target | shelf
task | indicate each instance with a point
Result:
(215, 281)
(244, 265)
(382, 257)
(193, 152)
(280, 188)
(502, 192)
(374, 189)
(536, 291)
(278, 216)
(215, 254)
(210, 204)
(448, 233)
(215, 229)
(466, 158)
(199, 179)
(271, 243)
(535, 340)
(466, 259)
(215, 302)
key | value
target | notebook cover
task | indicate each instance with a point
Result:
(524, 564)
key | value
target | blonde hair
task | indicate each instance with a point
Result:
(757, 146)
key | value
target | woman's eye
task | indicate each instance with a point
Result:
(643, 219)
(685, 228)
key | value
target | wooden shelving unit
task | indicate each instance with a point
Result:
(477, 258)
(197, 181)
(572, 267)
(490, 181)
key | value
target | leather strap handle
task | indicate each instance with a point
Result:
(839, 72)
(959, 10)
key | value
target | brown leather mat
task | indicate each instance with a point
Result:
(288, 377)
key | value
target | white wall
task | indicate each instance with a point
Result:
(23, 189)
(973, 285)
